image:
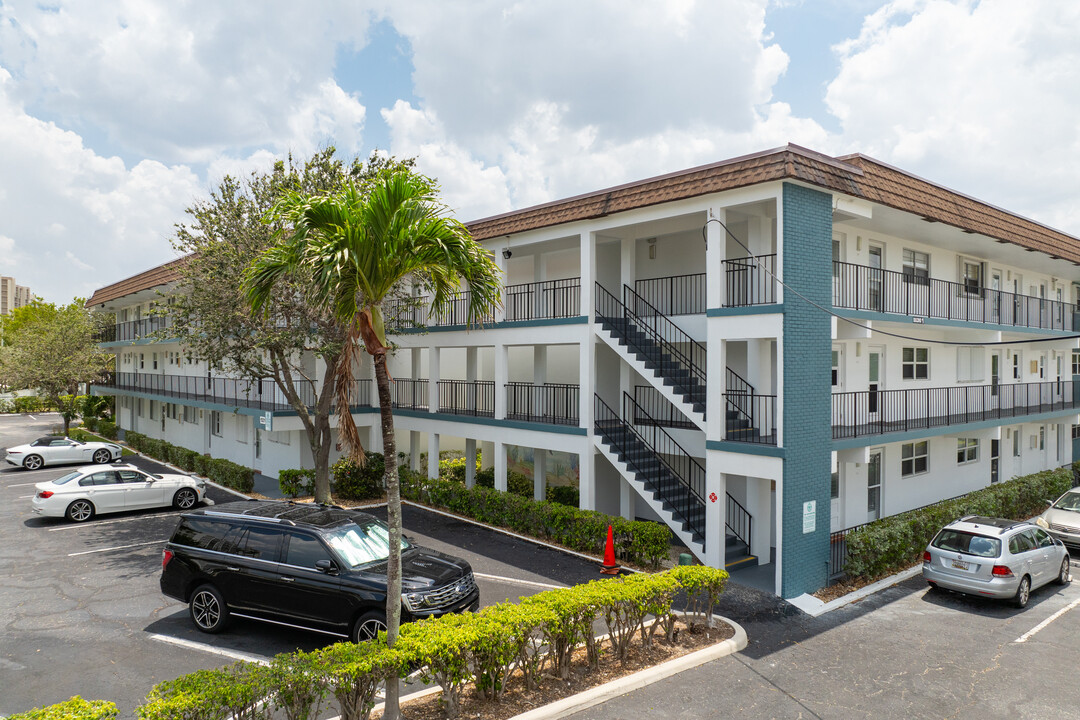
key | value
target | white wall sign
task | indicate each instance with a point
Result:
(809, 516)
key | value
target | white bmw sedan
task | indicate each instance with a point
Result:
(81, 494)
(58, 450)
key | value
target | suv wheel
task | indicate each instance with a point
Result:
(368, 626)
(1064, 575)
(208, 610)
(1023, 593)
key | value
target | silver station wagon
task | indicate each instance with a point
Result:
(995, 558)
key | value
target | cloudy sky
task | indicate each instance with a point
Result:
(116, 114)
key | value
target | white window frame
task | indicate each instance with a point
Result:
(914, 363)
(910, 455)
(215, 423)
(970, 364)
(913, 271)
(967, 451)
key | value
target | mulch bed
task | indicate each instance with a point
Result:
(840, 589)
(517, 699)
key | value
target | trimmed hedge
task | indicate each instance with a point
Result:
(294, 483)
(490, 649)
(895, 542)
(348, 480)
(74, 709)
(224, 472)
(636, 542)
(106, 429)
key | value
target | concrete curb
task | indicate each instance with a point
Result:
(815, 608)
(643, 678)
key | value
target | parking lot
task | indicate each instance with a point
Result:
(83, 614)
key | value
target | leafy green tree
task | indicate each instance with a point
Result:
(53, 350)
(288, 338)
(36, 311)
(357, 248)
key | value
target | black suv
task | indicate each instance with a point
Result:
(318, 567)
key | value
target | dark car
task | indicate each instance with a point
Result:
(317, 567)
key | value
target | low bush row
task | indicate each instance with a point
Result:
(74, 709)
(224, 472)
(636, 542)
(25, 404)
(348, 480)
(501, 646)
(895, 542)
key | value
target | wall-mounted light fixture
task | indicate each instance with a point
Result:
(507, 254)
(652, 248)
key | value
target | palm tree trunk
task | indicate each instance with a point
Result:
(393, 520)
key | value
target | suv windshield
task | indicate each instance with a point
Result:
(969, 543)
(1068, 501)
(361, 544)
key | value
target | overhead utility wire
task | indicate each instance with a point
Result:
(868, 328)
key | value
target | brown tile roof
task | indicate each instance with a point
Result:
(855, 175)
(154, 277)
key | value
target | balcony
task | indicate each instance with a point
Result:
(545, 300)
(750, 418)
(859, 287)
(464, 397)
(551, 403)
(133, 329)
(866, 413)
(263, 394)
(748, 281)
(675, 294)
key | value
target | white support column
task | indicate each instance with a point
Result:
(502, 372)
(587, 378)
(714, 256)
(587, 478)
(588, 273)
(627, 262)
(715, 513)
(414, 450)
(432, 455)
(470, 462)
(539, 276)
(716, 362)
(500, 466)
(759, 505)
(539, 473)
(626, 499)
(433, 379)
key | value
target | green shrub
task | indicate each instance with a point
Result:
(518, 484)
(90, 423)
(74, 709)
(134, 440)
(27, 404)
(485, 478)
(227, 473)
(107, 429)
(353, 482)
(298, 688)
(892, 543)
(454, 469)
(703, 586)
(294, 483)
(353, 673)
(235, 691)
(202, 465)
(641, 543)
(564, 495)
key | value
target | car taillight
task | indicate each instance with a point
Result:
(1002, 571)
(45, 494)
(166, 556)
(926, 556)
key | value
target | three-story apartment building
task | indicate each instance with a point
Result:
(760, 353)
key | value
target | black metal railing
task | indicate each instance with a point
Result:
(234, 392)
(750, 281)
(552, 403)
(736, 385)
(467, 397)
(132, 330)
(675, 294)
(416, 312)
(860, 413)
(688, 501)
(658, 409)
(543, 300)
(739, 522)
(860, 287)
(409, 394)
(658, 329)
(750, 418)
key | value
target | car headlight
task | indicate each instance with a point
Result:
(415, 600)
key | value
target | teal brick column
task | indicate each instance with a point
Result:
(807, 257)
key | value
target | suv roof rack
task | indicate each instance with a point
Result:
(219, 513)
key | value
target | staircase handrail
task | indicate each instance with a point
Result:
(638, 411)
(695, 364)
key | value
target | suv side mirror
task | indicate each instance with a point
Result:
(326, 566)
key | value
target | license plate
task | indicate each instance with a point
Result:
(960, 564)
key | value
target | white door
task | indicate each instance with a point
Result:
(141, 491)
(876, 286)
(105, 491)
(834, 495)
(876, 396)
(873, 485)
(995, 297)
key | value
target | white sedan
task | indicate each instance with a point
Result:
(81, 494)
(57, 450)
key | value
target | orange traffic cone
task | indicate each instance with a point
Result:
(610, 567)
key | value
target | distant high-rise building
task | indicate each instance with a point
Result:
(13, 296)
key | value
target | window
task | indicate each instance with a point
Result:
(189, 414)
(153, 409)
(1021, 543)
(1018, 366)
(1076, 362)
(154, 356)
(1017, 449)
(970, 363)
(916, 267)
(916, 363)
(169, 411)
(967, 450)
(142, 361)
(261, 544)
(971, 275)
(304, 551)
(215, 423)
(1042, 437)
(138, 407)
(913, 458)
(835, 368)
(1075, 431)
(835, 257)
(281, 438)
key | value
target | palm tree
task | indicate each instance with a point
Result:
(358, 248)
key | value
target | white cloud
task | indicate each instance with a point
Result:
(980, 96)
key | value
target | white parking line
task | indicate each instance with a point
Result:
(21, 485)
(83, 526)
(515, 581)
(27, 497)
(119, 547)
(192, 645)
(1028, 635)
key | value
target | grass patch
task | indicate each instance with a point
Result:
(84, 436)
